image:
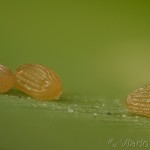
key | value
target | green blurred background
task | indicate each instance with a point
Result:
(98, 48)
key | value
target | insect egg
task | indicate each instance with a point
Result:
(138, 102)
(6, 79)
(38, 81)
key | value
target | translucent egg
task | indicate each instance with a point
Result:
(138, 102)
(7, 79)
(38, 81)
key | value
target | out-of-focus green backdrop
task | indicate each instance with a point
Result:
(97, 47)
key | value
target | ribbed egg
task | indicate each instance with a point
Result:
(138, 102)
(38, 81)
(6, 79)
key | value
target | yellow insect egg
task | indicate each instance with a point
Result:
(38, 81)
(6, 79)
(138, 102)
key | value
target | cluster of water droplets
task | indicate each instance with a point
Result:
(82, 106)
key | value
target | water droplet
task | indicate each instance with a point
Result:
(70, 110)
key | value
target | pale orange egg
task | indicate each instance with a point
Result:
(38, 81)
(7, 79)
(138, 102)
